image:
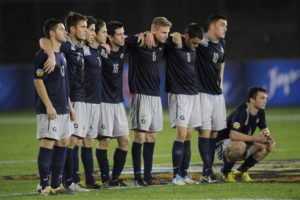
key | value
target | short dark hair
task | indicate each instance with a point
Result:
(112, 26)
(194, 30)
(99, 24)
(252, 92)
(50, 25)
(90, 20)
(72, 19)
(213, 18)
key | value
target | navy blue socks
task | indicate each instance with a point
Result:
(148, 160)
(44, 163)
(101, 155)
(177, 155)
(88, 164)
(186, 158)
(119, 162)
(204, 149)
(136, 159)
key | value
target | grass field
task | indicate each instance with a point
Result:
(19, 151)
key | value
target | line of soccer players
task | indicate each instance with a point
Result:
(79, 81)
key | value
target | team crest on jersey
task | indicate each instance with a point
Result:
(236, 125)
(154, 56)
(160, 48)
(188, 56)
(122, 55)
(62, 70)
(39, 72)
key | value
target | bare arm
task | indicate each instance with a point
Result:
(237, 136)
(222, 74)
(72, 112)
(42, 92)
(50, 62)
(176, 39)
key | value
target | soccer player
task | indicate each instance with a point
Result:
(183, 98)
(93, 86)
(210, 65)
(113, 121)
(237, 141)
(146, 109)
(76, 25)
(54, 110)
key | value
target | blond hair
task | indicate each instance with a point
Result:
(160, 21)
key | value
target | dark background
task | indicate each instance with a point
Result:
(257, 29)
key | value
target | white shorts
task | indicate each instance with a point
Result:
(213, 112)
(55, 129)
(113, 121)
(221, 149)
(184, 110)
(92, 114)
(79, 125)
(146, 113)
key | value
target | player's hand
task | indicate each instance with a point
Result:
(50, 63)
(177, 40)
(149, 40)
(106, 47)
(141, 39)
(265, 132)
(72, 115)
(51, 112)
(264, 139)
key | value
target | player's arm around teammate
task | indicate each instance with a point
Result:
(181, 85)
(53, 111)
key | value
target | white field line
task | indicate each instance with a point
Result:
(17, 194)
(32, 120)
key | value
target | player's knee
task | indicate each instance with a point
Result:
(103, 143)
(124, 143)
(88, 142)
(62, 143)
(150, 137)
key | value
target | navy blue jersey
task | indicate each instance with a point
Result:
(243, 121)
(92, 74)
(210, 55)
(112, 91)
(56, 83)
(181, 76)
(75, 62)
(144, 68)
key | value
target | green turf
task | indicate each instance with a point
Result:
(19, 151)
(201, 191)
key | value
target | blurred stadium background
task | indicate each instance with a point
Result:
(263, 43)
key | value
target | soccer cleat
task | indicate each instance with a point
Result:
(39, 188)
(153, 181)
(228, 177)
(62, 190)
(76, 188)
(188, 180)
(117, 183)
(81, 184)
(48, 191)
(140, 183)
(177, 180)
(209, 179)
(94, 186)
(242, 176)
